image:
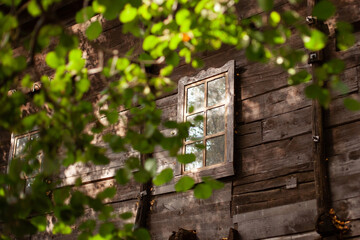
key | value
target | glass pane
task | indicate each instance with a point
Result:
(215, 150)
(215, 121)
(20, 145)
(197, 131)
(34, 136)
(195, 97)
(198, 163)
(216, 91)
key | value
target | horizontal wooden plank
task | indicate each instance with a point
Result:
(339, 114)
(274, 103)
(287, 125)
(302, 236)
(348, 209)
(276, 155)
(265, 199)
(254, 86)
(343, 138)
(240, 179)
(345, 164)
(345, 187)
(248, 135)
(277, 182)
(210, 217)
(277, 221)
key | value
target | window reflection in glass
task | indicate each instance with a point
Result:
(198, 163)
(216, 91)
(20, 145)
(196, 132)
(195, 97)
(215, 149)
(215, 121)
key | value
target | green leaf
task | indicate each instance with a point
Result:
(173, 59)
(165, 176)
(107, 193)
(266, 5)
(106, 229)
(316, 41)
(324, 10)
(94, 30)
(128, 14)
(352, 104)
(213, 183)
(84, 14)
(186, 158)
(40, 222)
(142, 176)
(122, 176)
(141, 234)
(202, 191)
(274, 18)
(33, 8)
(151, 166)
(185, 183)
(53, 61)
(76, 62)
(313, 91)
(335, 66)
(126, 215)
(150, 42)
(166, 71)
(300, 77)
(61, 228)
(182, 15)
(132, 163)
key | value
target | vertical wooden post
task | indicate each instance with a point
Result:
(324, 224)
(144, 199)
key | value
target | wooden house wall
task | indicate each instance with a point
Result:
(273, 144)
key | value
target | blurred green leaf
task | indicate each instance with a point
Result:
(128, 14)
(94, 30)
(266, 5)
(84, 14)
(185, 183)
(186, 158)
(352, 104)
(202, 191)
(164, 176)
(324, 10)
(316, 41)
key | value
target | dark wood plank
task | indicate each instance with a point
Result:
(273, 183)
(276, 155)
(265, 199)
(339, 114)
(248, 135)
(274, 103)
(287, 125)
(277, 221)
(241, 180)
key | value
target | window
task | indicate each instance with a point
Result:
(210, 95)
(18, 145)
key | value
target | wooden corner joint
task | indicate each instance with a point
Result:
(328, 224)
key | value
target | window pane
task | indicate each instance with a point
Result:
(20, 145)
(215, 150)
(195, 97)
(215, 121)
(198, 163)
(216, 91)
(197, 131)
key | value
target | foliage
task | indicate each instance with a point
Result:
(171, 32)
